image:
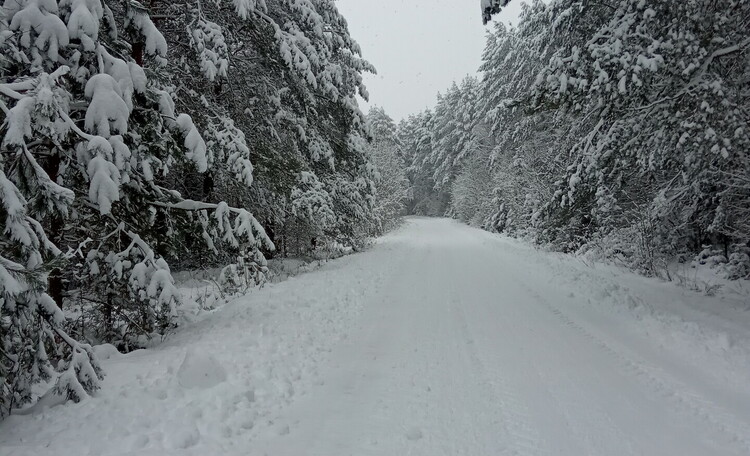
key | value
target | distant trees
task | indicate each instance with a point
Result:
(435, 144)
(391, 184)
(415, 135)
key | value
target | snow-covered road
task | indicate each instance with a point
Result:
(441, 340)
(469, 350)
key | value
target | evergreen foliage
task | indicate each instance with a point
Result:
(141, 138)
(618, 129)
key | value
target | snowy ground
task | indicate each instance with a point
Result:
(441, 340)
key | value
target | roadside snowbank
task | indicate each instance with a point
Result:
(216, 383)
(711, 332)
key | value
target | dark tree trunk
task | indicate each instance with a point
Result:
(55, 283)
(138, 53)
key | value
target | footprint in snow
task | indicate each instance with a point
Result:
(414, 434)
(282, 429)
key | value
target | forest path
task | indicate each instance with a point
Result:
(440, 340)
(471, 348)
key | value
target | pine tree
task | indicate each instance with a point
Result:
(661, 87)
(287, 75)
(392, 185)
(87, 140)
(415, 136)
(609, 122)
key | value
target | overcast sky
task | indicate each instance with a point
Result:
(418, 47)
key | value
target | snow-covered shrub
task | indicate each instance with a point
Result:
(735, 266)
(633, 247)
(738, 266)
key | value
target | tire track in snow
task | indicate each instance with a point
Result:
(659, 381)
(522, 438)
(590, 423)
(540, 373)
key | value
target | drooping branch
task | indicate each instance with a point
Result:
(491, 7)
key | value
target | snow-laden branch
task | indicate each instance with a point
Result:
(245, 224)
(491, 7)
(715, 55)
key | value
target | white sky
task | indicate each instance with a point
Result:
(418, 47)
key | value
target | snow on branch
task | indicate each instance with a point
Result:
(244, 226)
(490, 7)
(108, 112)
(83, 23)
(194, 142)
(41, 18)
(228, 145)
(209, 41)
(155, 43)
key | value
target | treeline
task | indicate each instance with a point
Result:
(619, 129)
(142, 139)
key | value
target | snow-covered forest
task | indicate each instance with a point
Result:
(140, 139)
(143, 141)
(619, 130)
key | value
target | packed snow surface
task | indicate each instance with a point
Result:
(440, 340)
